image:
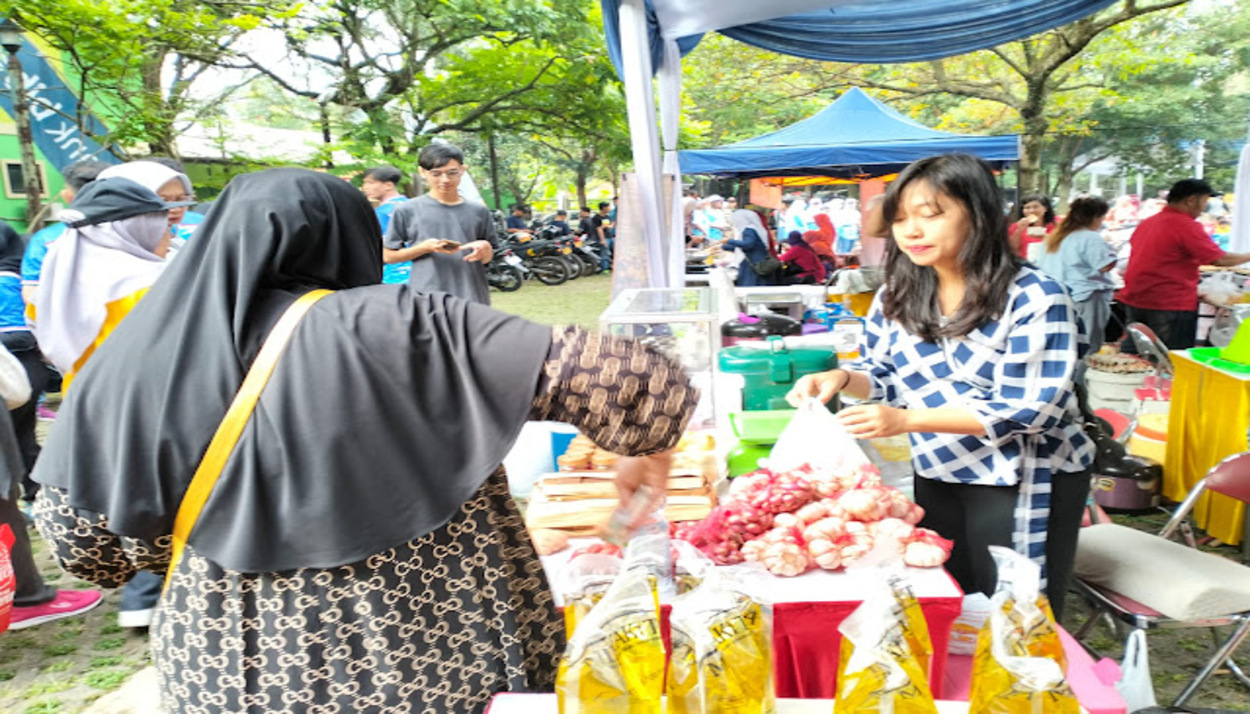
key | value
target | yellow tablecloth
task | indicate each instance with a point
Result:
(1208, 422)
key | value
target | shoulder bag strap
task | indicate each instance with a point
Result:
(231, 427)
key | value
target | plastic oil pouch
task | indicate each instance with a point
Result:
(915, 627)
(722, 651)
(614, 660)
(587, 578)
(877, 671)
(1019, 663)
(690, 566)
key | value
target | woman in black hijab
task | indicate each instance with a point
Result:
(360, 548)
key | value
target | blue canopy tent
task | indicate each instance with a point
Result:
(646, 36)
(855, 137)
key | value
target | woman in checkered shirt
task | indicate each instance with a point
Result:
(971, 352)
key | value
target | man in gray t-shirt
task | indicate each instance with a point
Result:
(449, 240)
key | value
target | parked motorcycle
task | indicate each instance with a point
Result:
(544, 259)
(506, 271)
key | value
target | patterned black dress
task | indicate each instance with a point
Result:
(436, 624)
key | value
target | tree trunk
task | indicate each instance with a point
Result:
(158, 113)
(323, 116)
(582, 179)
(494, 169)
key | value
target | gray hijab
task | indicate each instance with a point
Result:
(385, 414)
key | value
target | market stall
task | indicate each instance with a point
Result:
(647, 38)
(1209, 421)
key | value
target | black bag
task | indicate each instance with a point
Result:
(765, 267)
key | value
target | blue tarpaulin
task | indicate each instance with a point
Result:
(872, 31)
(855, 137)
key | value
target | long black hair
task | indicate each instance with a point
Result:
(1081, 213)
(989, 265)
(1018, 212)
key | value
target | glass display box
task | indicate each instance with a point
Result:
(682, 323)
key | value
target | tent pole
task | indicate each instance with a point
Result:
(670, 121)
(643, 134)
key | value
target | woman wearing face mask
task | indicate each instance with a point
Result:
(972, 353)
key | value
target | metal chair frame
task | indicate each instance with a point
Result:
(1145, 618)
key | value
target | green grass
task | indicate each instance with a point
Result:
(577, 302)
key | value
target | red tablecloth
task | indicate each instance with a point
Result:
(806, 644)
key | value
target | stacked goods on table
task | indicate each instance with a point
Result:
(579, 498)
(807, 518)
(615, 658)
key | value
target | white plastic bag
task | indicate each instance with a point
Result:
(1135, 685)
(815, 437)
(14, 384)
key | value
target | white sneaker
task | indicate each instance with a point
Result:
(135, 618)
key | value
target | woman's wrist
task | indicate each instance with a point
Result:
(846, 378)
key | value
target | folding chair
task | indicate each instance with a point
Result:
(1151, 582)
(1151, 348)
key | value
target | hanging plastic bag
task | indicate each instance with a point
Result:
(1135, 685)
(1019, 663)
(814, 437)
(722, 649)
(878, 671)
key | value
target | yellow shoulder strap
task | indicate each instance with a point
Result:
(231, 427)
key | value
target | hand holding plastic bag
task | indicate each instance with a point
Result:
(815, 437)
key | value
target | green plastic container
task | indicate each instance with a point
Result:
(1239, 349)
(1211, 356)
(760, 427)
(771, 373)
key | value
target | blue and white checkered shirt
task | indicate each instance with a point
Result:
(1015, 375)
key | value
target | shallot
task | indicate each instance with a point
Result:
(926, 549)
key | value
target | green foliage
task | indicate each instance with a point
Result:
(136, 60)
(60, 649)
(1136, 81)
(106, 679)
(401, 72)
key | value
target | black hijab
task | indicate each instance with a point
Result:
(386, 412)
(11, 249)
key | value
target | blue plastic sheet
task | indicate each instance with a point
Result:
(855, 137)
(882, 32)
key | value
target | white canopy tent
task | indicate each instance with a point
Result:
(874, 30)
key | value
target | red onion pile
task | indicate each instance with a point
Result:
(799, 520)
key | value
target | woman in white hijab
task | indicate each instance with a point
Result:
(113, 251)
(754, 241)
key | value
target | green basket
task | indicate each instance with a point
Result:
(1211, 356)
(760, 426)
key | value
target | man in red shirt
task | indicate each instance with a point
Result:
(1161, 281)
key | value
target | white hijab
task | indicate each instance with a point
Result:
(85, 270)
(148, 174)
(744, 218)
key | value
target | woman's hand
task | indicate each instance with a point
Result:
(822, 385)
(873, 421)
(633, 472)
